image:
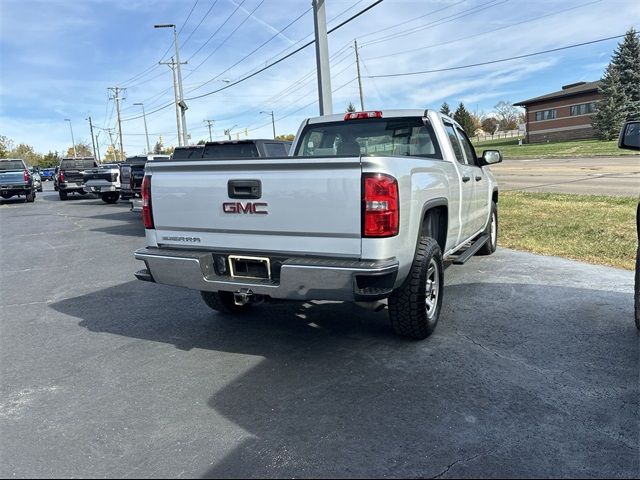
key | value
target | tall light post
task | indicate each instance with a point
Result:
(73, 142)
(146, 132)
(181, 102)
(273, 122)
(228, 131)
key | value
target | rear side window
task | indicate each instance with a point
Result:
(230, 150)
(275, 150)
(455, 143)
(403, 136)
(78, 164)
(12, 165)
(187, 153)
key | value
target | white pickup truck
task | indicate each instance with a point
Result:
(367, 206)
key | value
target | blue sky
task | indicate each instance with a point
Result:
(59, 57)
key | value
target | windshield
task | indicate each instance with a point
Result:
(11, 165)
(409, 136)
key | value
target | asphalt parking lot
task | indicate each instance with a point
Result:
(532, 372)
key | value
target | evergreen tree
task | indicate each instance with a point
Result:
(463, 117)
(444, 109)
(610, 114)
(351, 108)
(626, 62)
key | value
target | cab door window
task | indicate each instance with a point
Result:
(469, 151)
(455, 143)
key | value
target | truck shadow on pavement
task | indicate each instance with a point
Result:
(518, 380)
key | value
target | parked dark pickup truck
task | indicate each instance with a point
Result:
(132, 173)
(70, 176)
(15, 179)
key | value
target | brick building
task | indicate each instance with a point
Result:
(562, 115)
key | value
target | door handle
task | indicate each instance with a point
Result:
(466, 179)
(478, 178)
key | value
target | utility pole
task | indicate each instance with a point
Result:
(355, 45)
(93, 141)
(273, 122)
(113, 146)
(176, 92)
(322, 58)
(180, 96)
(146, 132)
(209, 123)
(116, 96)
(228, 131)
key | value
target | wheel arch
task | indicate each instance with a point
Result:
(435, 221)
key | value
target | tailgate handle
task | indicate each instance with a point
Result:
(244, 188)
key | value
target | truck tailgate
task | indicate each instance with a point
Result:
(313, 205)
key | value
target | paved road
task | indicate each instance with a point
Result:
(533, 371)
(597, 175)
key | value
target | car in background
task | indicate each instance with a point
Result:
(630, 140)
(37, 179)
(46, 174)
(16, 180)
(70, 176)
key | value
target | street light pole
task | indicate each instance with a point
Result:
(146, 132)
(228, 131)
(273, 122)
(322, 57)
(73, 142)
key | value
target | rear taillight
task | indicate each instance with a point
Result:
(381, 217)
(147, 214)
(61, 176)
(26, 176)
(363, 115)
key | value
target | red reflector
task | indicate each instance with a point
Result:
(147, 213)
(361, 115)
(381, 217)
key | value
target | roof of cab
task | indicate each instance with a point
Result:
(339, 117)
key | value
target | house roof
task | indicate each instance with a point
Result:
(567, 91)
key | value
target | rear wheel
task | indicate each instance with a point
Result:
(111, 197)
(223, 302)
(30, 197)
(414, 308)
(63, 195)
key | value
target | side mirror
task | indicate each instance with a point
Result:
(490, 157)
(630, 136)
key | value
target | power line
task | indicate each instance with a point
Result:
(188, 17)
(217, 30)
(459, 67)
(201, 20)
(529, 20)
(436, 23)
(266, 67)
(252, 52)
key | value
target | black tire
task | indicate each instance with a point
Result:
(111, 197)
(82, 191)
(40, 190)
(63, 195)
(408, 309)
(223, 302)
(490, 247)
(30, 197)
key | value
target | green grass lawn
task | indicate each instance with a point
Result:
(577, 148)
(589, 228)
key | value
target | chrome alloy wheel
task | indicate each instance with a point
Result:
(432, 289)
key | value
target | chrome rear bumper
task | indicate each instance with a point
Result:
(299, 278)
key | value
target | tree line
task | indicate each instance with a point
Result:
(35, 159)
(620, 89)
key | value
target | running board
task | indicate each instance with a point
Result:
(477, 244)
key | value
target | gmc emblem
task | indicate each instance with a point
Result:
(249, 207)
